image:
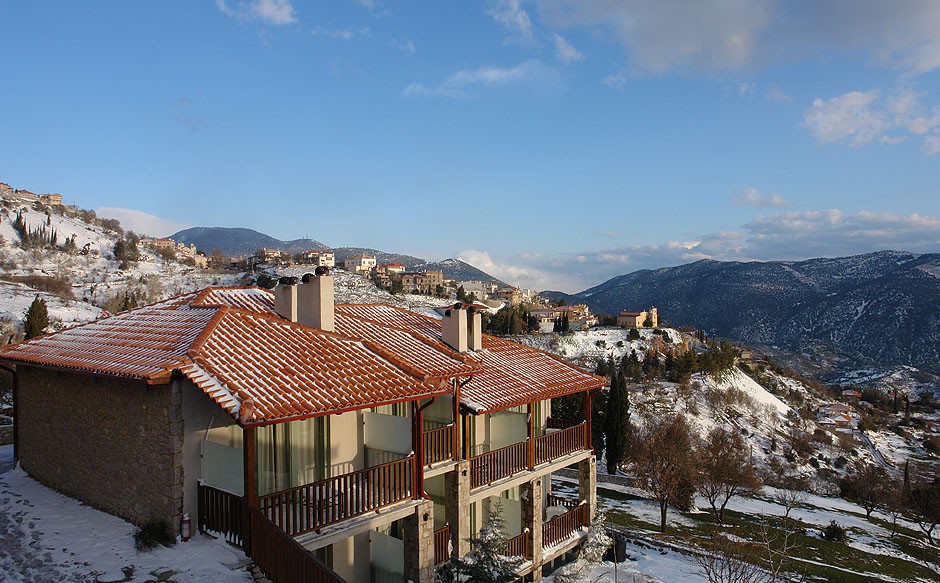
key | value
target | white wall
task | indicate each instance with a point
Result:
(346, 438)
(198, 411)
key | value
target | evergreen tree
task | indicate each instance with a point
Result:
(617, 428)
(487, 562)
(36, 319)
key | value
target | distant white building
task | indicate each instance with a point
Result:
(361, 264)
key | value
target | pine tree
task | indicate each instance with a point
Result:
(36, 319)
(618, 421)
(487, 561)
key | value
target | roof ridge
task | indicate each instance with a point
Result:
(200, 300)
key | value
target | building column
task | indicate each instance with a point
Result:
(419, 544)
(532, 513)
(587, 485)
(457, 507)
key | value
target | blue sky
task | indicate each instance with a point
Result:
(553, 143)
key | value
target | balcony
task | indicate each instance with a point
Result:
(489, 467)
(311, 507)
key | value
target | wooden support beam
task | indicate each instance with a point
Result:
(588, 404)
(530, 409)
(455, 449)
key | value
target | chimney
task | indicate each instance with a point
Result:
(315, 300)
(475, 321)
(454, 328)
(285, 298)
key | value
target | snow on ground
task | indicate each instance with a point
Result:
(46, 537)
(15, 299)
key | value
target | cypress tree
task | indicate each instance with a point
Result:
(618, 421)
(36, 318)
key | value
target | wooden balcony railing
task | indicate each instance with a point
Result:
(559, 501)
(488, 467)
(561, 527)
(442, 545)
(438, 444)
(559, 443)
(282, 558)
(518, 546)
(221, 512)
(310, 507)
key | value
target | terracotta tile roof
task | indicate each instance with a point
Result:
(146, 343)
(434, 358)
(262, 368)
(253, 299)
(508, 374)
(514, 374)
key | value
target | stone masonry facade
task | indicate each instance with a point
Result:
(114, 444)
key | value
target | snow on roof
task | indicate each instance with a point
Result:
(261, 368)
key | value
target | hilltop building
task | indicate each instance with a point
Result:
(361, 264)
(320, 258)
(642, 319)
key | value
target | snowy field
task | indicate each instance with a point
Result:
(48, 537)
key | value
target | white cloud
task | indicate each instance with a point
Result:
(666, 35)
(615, 81)
(278, 12)
(140, 222)
(515, 272)
(860, 117)
(849, 117)
(513, 17)
(779, 236)
(707, 35)
(404, 45)
(565, 52)
(777, 95)
(752, 197)
(344, 34)
(747, 89)
(461, 83)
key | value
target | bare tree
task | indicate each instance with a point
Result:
(868, 485)
(777, 544)
(725, 469)
(665, 460)
(727, 561)
(924, 504)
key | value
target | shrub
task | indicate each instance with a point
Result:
(932, 444)
(152, 534)
(834, 532)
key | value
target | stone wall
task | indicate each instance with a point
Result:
(115, 444)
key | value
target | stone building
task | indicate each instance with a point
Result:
(362, 442)
(642, 319)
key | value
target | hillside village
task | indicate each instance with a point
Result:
(835, 472)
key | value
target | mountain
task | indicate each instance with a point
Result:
(342, 253)
(237, 241)
(459, 270)
(240, 241)
(873, 309)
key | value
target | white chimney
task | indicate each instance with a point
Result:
(285, 298)
(475, 331)
(315, 300)
(454, 328)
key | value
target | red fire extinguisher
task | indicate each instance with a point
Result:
(185, 527)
